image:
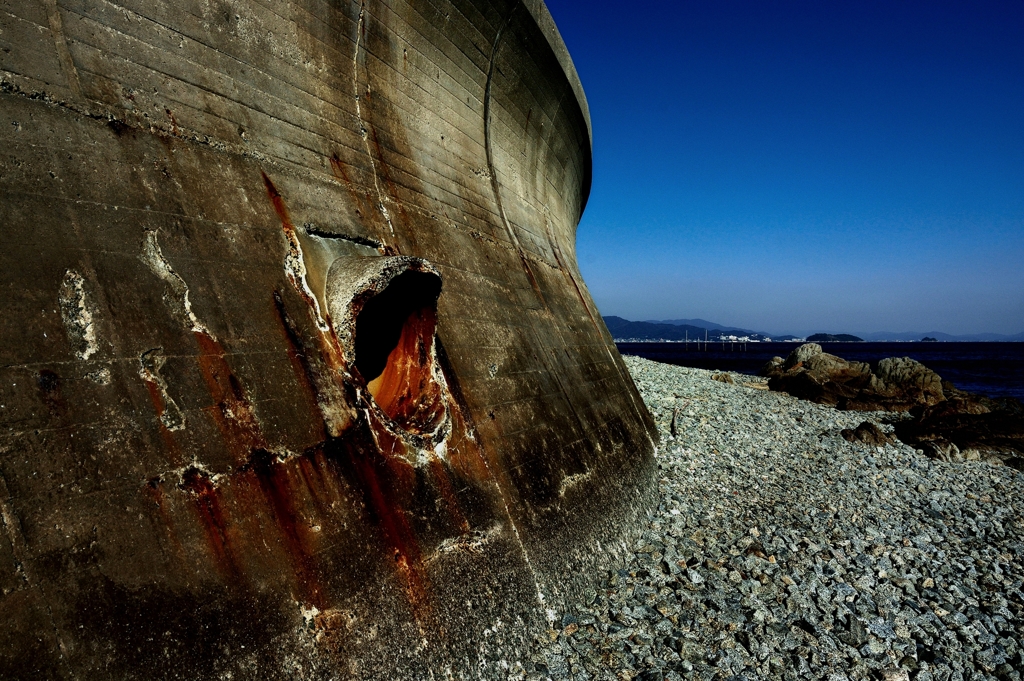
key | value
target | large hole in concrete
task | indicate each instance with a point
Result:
(394, 351)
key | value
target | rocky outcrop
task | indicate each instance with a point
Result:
(867, 433)
(946, 423)
(968, 427)
(895, 384)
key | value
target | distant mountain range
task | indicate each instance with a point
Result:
(699, 323)
(623, 329)
(712, 327)
(699, 329)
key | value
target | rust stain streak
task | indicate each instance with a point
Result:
(170, 444)
(295, 266)
(406, 390)
(299, 359)
(154, 489)
(310, 467)
(296, 274)
(231, 411)
(380, 477)
(282, 497)
(339, 172)
(206, 501)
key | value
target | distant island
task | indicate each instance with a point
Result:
(929, 339)
(834, 338)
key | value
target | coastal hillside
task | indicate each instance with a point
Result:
(626, 330)
(781, 550)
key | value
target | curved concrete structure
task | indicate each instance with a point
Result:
(298, 375)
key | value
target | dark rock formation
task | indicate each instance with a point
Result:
(967, 427)
(895, 384)
(834, 338)
(946, 423)
(298, 375)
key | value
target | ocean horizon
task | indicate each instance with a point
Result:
(992, 368)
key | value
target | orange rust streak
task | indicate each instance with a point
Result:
(170, 444)
(533, 279)
(232, 411)
(156, 398)
(155, 490)
(279, 207)
(338, 169)
(406, 390)
(331, 347)
(464, 455)
(297, 357)
(312, 476)
(379, 474)
(281, 494)
(358, 197)
(211, 515)
(379, 479)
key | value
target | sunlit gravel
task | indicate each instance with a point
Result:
(780, 550)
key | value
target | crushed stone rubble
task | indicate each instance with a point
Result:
(780, 550)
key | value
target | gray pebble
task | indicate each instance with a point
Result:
(780, 550)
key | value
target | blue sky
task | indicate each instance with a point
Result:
(805, 166)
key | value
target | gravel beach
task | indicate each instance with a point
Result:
(780, 550)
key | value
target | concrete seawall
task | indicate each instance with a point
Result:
(298, 375)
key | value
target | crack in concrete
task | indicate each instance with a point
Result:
(316, 230)
(360, 27)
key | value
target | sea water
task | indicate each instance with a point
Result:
(991, 369)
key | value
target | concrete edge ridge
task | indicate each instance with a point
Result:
(539, 10)
(546, 23)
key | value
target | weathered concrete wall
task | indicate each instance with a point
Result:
(217, 218)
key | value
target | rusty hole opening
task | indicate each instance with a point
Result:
(394, 350)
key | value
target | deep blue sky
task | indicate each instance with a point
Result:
(805, 166)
